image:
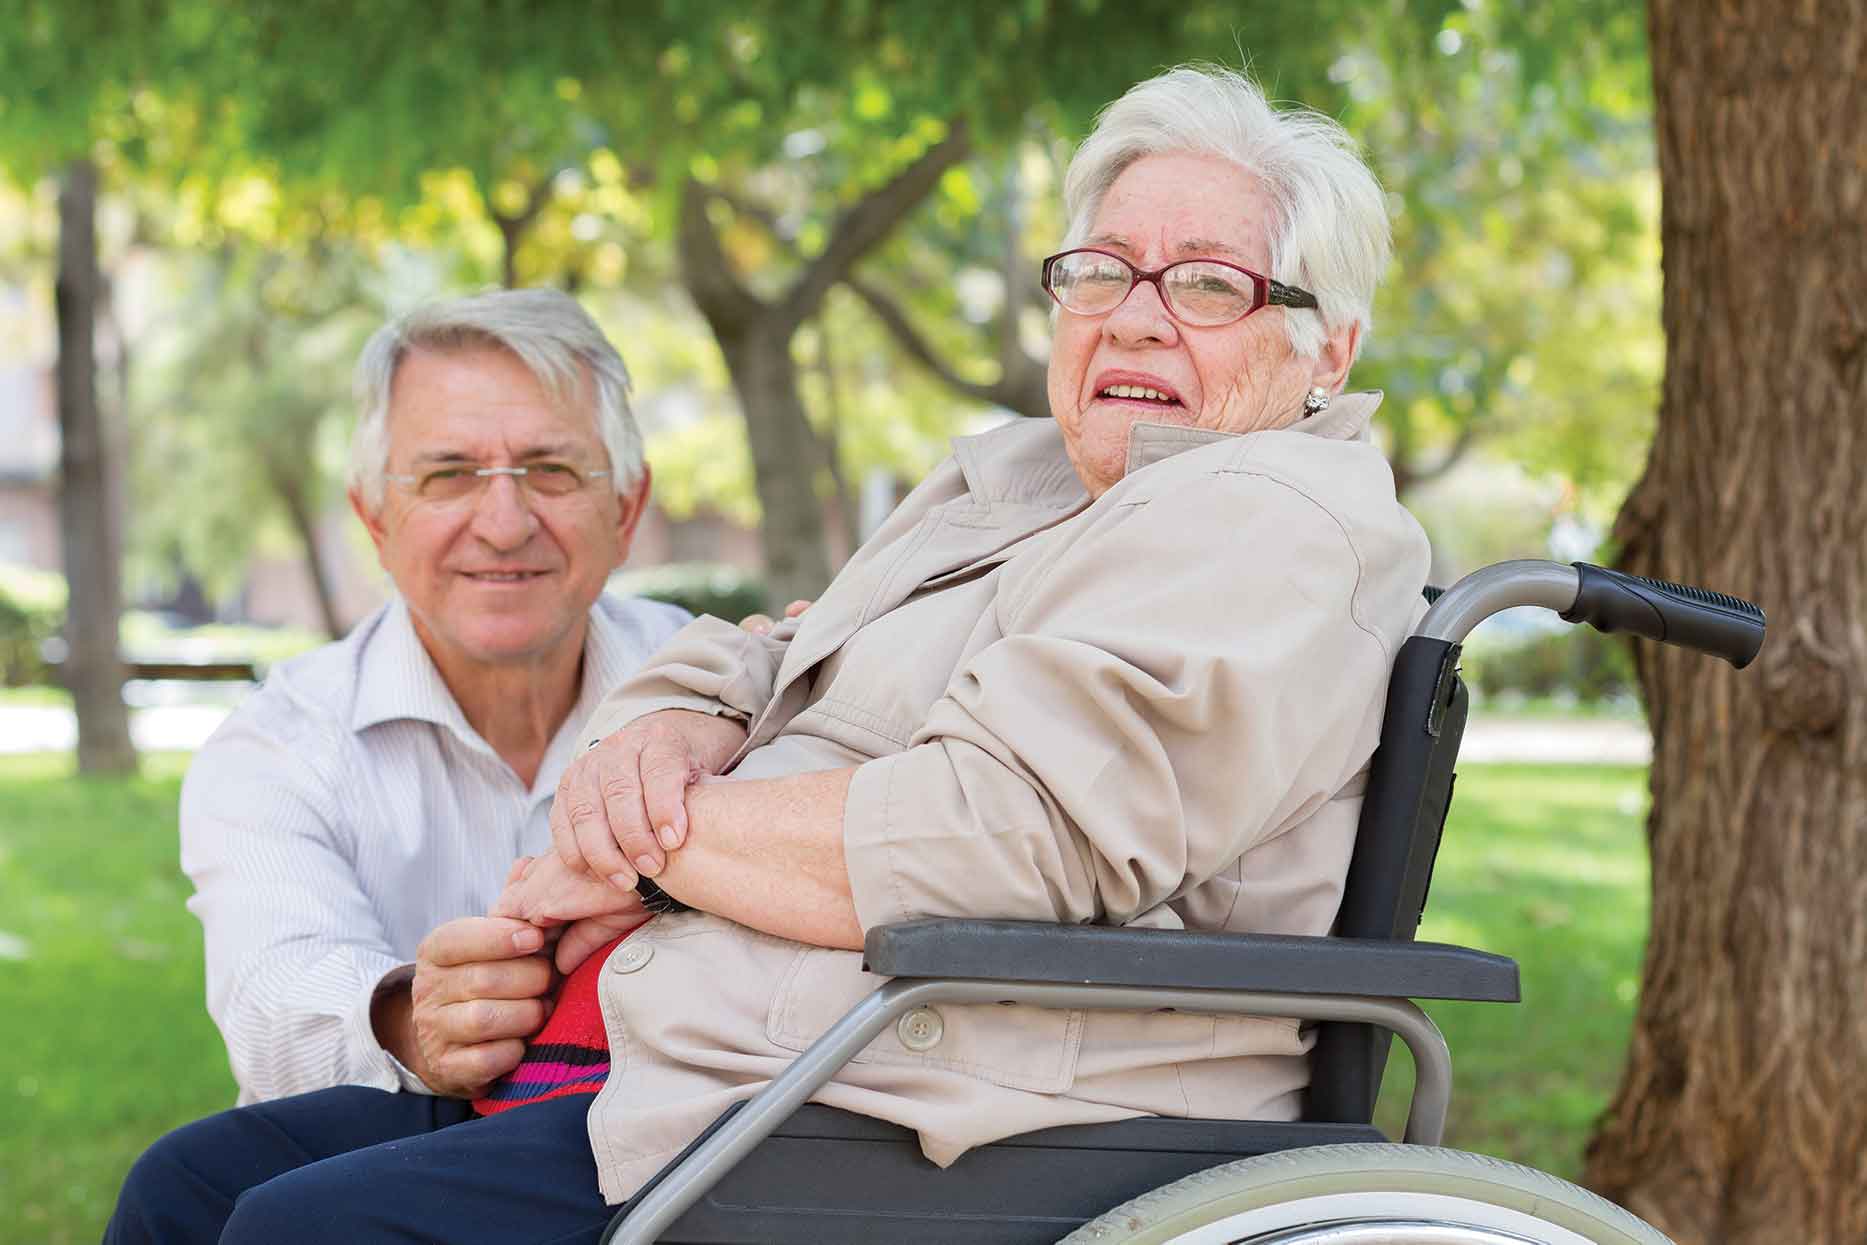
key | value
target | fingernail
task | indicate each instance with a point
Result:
(622, 881)
(667, 837)
(647, 866)
(528, 939)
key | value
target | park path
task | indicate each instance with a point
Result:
(48, 728)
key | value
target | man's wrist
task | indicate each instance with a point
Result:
(392, 1019)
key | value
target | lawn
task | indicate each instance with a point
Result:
(108, 1043)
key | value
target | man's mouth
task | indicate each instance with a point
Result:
(503, 577)
(1138, 393)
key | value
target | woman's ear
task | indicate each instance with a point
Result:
(1335, 358)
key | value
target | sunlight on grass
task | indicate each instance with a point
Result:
(1548, 865)
(109, 1044)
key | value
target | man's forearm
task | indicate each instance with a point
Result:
(768, 853)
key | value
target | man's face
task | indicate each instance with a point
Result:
(500, 577)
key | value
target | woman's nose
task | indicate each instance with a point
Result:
(1141, 317)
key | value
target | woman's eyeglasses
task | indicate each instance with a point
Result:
(1203, 293)
(457, 482)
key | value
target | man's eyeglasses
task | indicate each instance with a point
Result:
(1204, 293)
(456, 482)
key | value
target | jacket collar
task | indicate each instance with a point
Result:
(1023, 462)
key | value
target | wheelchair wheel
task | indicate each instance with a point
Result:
(1368, 1195)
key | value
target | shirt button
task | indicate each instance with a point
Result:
(631, 956)
(921, 1029)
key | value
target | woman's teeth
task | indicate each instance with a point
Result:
(1135, 391)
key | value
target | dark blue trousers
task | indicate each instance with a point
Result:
(361, 1165)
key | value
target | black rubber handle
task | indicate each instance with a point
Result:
(1696, 618)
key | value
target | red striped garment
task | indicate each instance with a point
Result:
(570, 1055)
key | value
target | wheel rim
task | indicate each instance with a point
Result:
(1387, 1232)
(1407, 1218)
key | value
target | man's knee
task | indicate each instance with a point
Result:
(170, 1193)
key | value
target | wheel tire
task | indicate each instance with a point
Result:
(1241, 1201)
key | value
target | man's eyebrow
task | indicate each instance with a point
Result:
(555, 449)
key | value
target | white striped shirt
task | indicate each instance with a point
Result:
(340, 814)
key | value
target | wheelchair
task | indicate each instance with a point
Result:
(776, 1170)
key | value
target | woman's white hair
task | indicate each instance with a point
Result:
(546, 330)
(1329, 229)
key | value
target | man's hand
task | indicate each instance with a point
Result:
(476, 997)
(761, 624)
(621, 806)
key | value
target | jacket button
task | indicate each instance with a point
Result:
(921, 1029)
(631, 956)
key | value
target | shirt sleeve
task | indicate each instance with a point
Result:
(1156, 706)
(295, 951)
(709, 666)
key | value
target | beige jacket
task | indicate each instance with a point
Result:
(1154, 710)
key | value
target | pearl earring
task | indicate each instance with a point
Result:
(1318, 400)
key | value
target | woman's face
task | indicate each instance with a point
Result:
(1239, 377)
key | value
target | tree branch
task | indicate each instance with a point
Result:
(1021, 382)
(512, 227)
(869, 222)
(706, 272)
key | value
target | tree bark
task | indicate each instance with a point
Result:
(298, 509)
(754, 335)
(88, 523)
(1741, 1117)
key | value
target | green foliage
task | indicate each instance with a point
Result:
(1576, 662)
(697, 587)
(32, 609)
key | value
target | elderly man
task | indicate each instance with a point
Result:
(350, 824)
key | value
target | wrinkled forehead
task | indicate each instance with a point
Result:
(1165, 208)
(480, 400)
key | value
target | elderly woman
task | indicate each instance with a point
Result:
(1125, 666)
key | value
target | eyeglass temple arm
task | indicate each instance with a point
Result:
(1288, 295)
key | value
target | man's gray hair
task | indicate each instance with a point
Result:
(546, 330)
(1329, 229)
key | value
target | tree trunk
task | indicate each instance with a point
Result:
(1741, 1117)
(298, 509)
(86, 500)
(784, 460)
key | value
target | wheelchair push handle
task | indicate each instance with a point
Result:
(1695, 618)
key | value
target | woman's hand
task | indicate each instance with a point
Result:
(548, 894)
(621, 806)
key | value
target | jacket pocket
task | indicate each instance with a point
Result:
(1018, 1047)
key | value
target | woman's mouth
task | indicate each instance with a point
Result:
(1145, 395)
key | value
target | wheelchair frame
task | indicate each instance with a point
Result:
(1359, 983)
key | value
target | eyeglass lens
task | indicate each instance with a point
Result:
(455, 483)
(1196, 291)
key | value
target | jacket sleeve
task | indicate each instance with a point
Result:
(1159, 702)
(709, 666)
(295, 952)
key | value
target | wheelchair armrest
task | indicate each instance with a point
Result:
(1187, 959)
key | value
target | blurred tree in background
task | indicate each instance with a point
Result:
(853, 220)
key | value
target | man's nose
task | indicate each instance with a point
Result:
(1141, 317)
(502, 514)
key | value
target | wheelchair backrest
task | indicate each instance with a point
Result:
(1402, 815)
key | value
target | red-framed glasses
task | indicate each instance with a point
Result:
(1201, 292)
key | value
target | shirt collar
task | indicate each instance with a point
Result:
(398, 680)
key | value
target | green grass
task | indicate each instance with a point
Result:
(107, 1041)
(108, 1045)
(1546, 864)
